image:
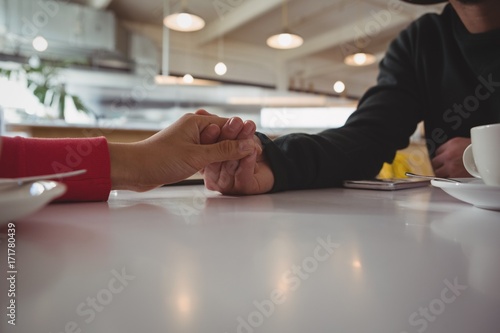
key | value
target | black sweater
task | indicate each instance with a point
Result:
(434, 71)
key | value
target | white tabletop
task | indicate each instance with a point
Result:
(183, 259)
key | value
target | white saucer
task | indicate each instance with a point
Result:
(28, 198)
(473, 191)
(9, 183)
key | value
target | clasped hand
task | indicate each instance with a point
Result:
(249, 175)
(192, 143)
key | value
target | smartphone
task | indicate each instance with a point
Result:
(388, 184)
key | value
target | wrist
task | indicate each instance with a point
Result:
(122, 160)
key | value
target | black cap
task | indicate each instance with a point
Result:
(424, 2)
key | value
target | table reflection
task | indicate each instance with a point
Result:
(477, 231)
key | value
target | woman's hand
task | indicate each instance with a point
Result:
(174, 153)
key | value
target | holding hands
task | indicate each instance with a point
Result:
(226, 152)
(190, 144)
(248, 175)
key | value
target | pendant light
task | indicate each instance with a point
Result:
(339, 87)
(360, 59)
(285, 40)
(184, 20)
(165, 78)
(220, 68)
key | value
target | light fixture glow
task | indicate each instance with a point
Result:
(360, 59)
(357, 264)
(184, 305)
(184, 21)
(40, 44)
(220, 69)
(188, 78)
(285, 41)
(339, 87)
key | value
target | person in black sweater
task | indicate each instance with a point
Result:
(443, 69)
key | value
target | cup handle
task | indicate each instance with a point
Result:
(469, 163)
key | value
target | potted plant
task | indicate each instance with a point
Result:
(43, 81)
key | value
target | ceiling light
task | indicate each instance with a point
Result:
(40, 44)
(285, 40)
(220, 69)
(184, 21)
(339, 87)
(360, 59)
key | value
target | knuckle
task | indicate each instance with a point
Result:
(187, 116)
(225, 148)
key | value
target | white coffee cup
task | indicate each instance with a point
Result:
(482, 157)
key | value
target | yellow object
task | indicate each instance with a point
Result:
(397, 169)
(412, 159)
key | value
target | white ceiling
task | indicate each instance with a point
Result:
(331, 29)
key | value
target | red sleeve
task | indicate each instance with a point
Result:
(22, 157)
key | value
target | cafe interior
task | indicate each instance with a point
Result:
(184, 258)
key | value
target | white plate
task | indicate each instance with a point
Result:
(28, 198)
(473, 191)
(7, 183)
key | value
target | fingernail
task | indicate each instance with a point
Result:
(236, 124)
(247, 145)
(232, 124)
(247, 129)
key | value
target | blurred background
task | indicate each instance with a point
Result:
(129, 68)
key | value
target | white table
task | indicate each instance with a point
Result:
(183, 259)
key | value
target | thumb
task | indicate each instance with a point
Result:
(228, 150)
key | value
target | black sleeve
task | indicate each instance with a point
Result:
(386, 117)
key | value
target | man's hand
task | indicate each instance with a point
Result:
(174, 154)
(448, 160)
(250, 175)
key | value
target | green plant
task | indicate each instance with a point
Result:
(43, 81)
